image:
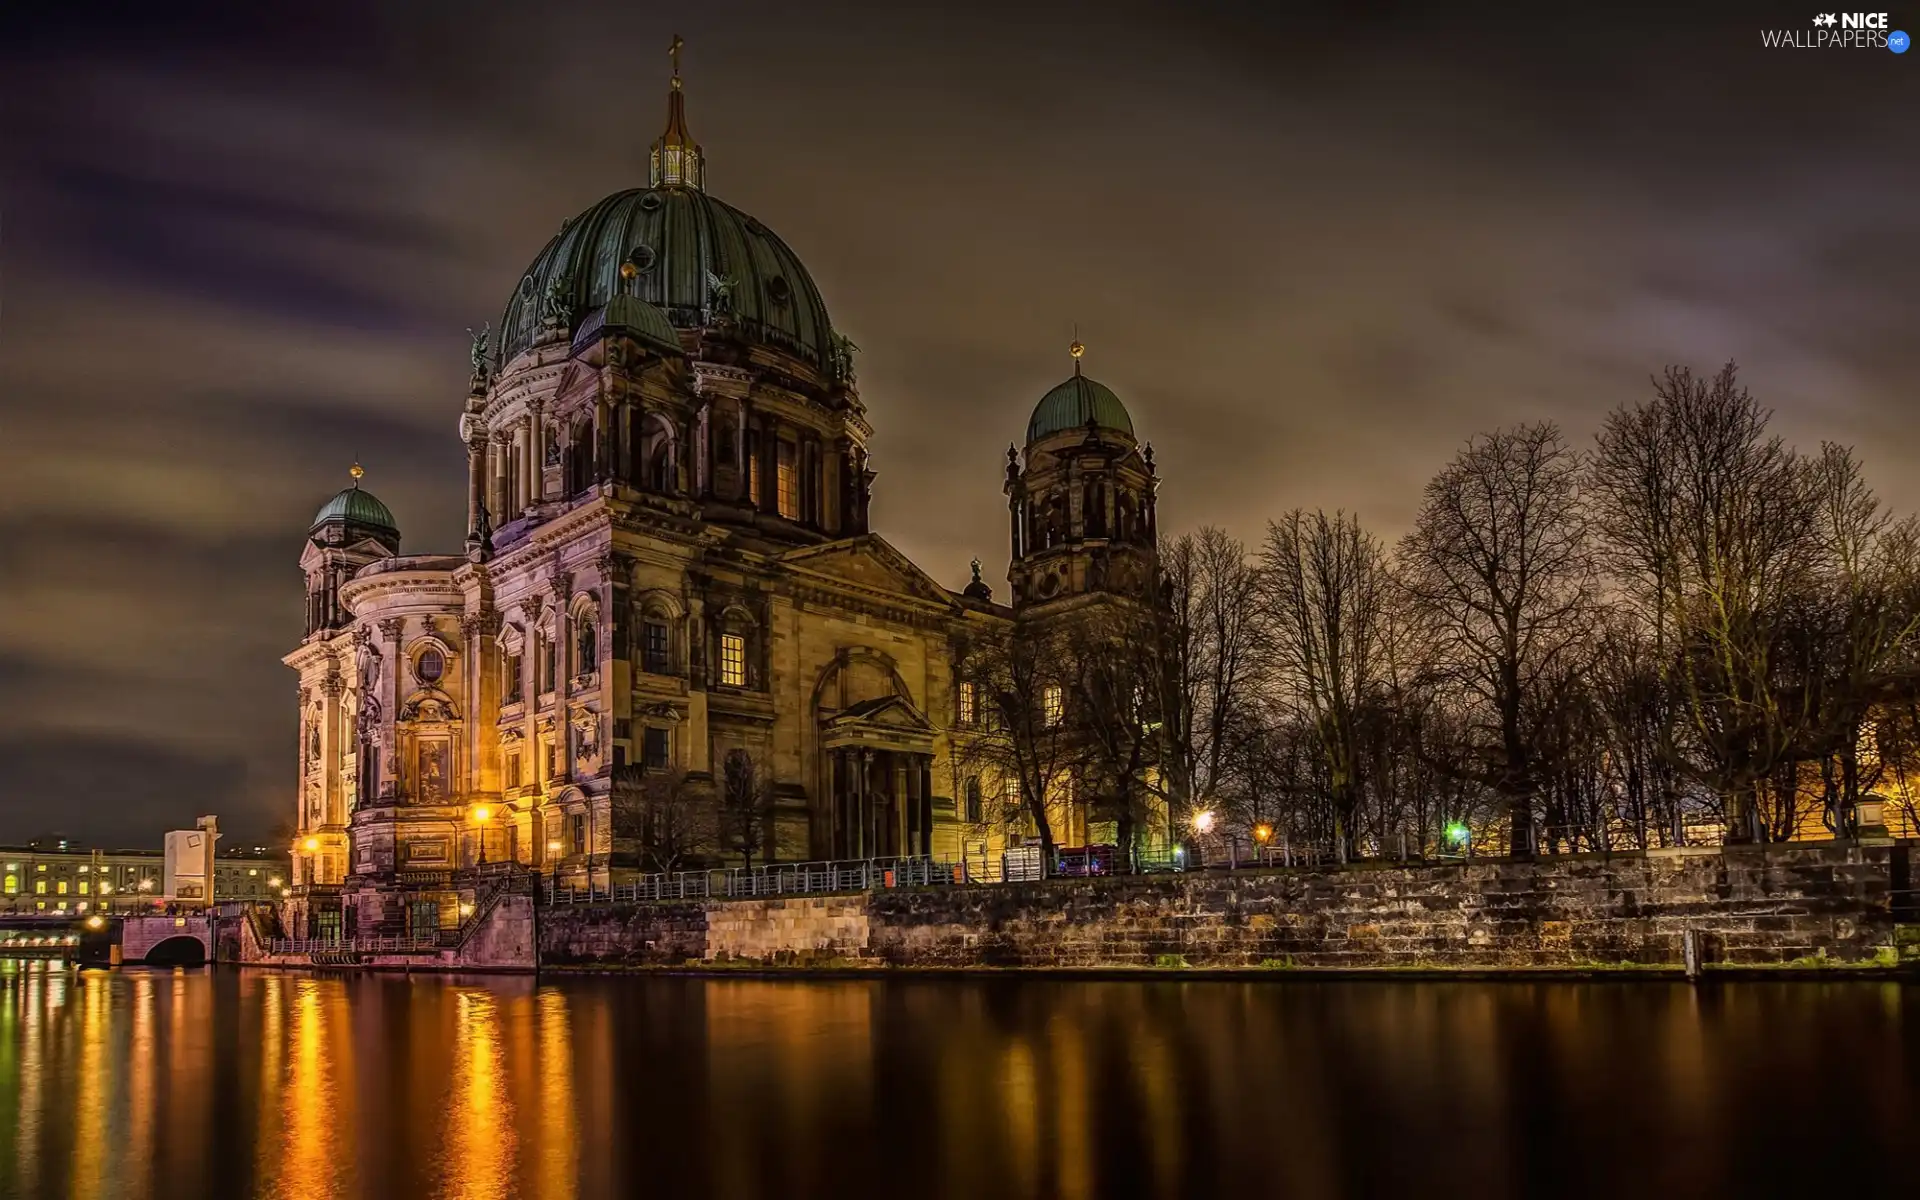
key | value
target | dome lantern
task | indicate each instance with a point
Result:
(676, 160)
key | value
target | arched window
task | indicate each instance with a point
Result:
(586, 645)
(1123, 516)
(580, 457)
(1093, 515)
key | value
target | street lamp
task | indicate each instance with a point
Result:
(96, 922)
(481, 815)
(1203, 820)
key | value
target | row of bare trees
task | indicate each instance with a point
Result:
(1687, 629)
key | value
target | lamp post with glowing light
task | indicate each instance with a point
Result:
(312, 848)
(1262, 834)
(481, 815)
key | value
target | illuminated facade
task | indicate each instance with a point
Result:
(669, 569)
(34, 879)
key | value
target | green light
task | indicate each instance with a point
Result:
(1457, 833)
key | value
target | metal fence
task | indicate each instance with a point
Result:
(407, 944)
(773, 879)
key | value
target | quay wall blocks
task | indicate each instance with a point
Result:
(1756, 907)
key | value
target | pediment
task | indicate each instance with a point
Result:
(888, 712)
(869, 563)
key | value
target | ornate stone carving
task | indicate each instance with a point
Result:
(586, 728)
(429, 706)
(391, 627)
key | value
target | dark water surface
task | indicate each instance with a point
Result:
(228, 1083)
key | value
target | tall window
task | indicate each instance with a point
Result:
(1053, 703)
(753, 468)
(577, 831)
(653, 648)
(546, 652)
(786, 480)
(969, 702)
(510, 681)
(733, 659)
(654, 749)
(513, 770)
(974, 806)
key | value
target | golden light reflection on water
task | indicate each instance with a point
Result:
(134, 1083)
(479, 1132)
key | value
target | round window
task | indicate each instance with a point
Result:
(643, 257)
(778, 289)
(649, 202)
(431, 666)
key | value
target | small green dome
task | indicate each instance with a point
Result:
(632, 315)
(359, 507)
(1074, 403)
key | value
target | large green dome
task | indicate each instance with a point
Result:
(1073, 404)
(696, 258)
(359, 507)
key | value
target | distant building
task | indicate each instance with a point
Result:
(670, 569)
(48, 880)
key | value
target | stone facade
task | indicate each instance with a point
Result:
(669, 572)
(1764, 907)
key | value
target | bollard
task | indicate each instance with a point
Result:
(1690, 952)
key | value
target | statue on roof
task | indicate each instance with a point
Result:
(720, 293)
(481, 337)
(843, 352)
(556, 307)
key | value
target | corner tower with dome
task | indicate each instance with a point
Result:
(670, 609)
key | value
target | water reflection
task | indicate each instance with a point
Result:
(204, 1083)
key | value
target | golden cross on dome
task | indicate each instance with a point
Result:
(673, 52)
(1076, 348)
(356, 470)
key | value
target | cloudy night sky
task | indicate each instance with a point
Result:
(1312, 249)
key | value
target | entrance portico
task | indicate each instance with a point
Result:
(880, 766)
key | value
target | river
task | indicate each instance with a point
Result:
(221, 1082)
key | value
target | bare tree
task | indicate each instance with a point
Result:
(1116, 657)
(1024, 677)
(1497, 563)
(1323, 590)
(661, 817)
(746, 805)
(1208, 691)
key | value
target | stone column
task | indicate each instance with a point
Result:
(476, 475)
(536, 455)
(332, 741)
(925, 763)
(391, 628)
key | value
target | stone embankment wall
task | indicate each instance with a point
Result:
(1805, 905)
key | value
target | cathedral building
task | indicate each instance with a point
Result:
(669, 571)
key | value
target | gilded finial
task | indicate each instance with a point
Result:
(673, 52)
(1076, 349)
(356, 470)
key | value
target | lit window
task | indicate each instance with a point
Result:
(83, 869)
(654, 648)
(61, 888)
(733, 660)
(13, 884)
(786, 479)
(83, 887)
(40, 866)
(39, 887)
(969, 702)
(1053, 703)
(253, 870)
